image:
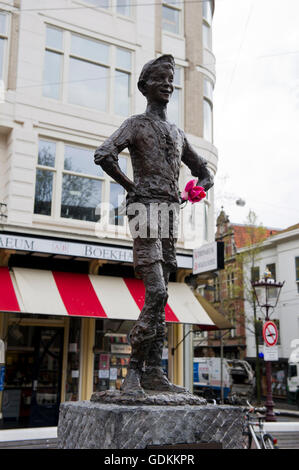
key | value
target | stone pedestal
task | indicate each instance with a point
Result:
(93, 425)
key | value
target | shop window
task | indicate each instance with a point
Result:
(175, 106)
(112, 354)
(69, 184)
(97, 74)
(172, 16)
(73, 360)
(32, 391)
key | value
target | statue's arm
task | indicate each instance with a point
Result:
(198, 166)
(107, 155)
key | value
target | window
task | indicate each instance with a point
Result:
(206, 220)
(88, 73)
(207, 11)
(80, 194)
(99, 3)
(97, 75)
(233, 322)
(69, 185)
(3, 42)
(255, 274)
(45, 173)
(122, 82)
(207, 110)
(175, 105)
(230, 285)
(172, 16)
(216, 290)
(121, 7)
(207, 16)
(53, 63)
(272, 269)
(297, 272)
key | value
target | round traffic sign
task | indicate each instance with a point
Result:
(270, 333)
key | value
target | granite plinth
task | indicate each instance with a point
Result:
(94, 425)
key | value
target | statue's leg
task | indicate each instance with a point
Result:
(153, 377)
(144, 331)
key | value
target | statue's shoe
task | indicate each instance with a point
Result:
(131, 384)
(153, 378)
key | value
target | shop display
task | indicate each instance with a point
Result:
(110, 369)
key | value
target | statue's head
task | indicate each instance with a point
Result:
(156, 77)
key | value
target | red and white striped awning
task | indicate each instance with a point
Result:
(36, 291)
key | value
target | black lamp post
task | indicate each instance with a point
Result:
(267, 292)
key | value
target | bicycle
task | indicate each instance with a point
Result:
(255, 432)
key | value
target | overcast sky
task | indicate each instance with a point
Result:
(256, 109)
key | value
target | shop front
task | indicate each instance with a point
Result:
(66, 336)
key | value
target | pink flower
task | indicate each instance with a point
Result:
(192, 192)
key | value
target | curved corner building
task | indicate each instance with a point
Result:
(68, 295)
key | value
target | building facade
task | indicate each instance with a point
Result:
(68, 79)
(280, 254)
(227, 289)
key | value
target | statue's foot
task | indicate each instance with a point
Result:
(153, 378)
(131, 384)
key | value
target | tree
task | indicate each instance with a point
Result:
(255, 234)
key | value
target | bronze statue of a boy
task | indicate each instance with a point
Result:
(157, 148)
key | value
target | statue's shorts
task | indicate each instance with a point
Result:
(154, 230)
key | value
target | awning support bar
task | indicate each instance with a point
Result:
(174, 349)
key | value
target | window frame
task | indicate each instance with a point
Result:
(111, 67)
(58, 171)
(177, 6)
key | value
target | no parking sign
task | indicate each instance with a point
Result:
(270, 333)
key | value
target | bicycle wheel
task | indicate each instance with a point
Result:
(268, 442)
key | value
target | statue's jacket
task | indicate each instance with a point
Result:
(156, 148)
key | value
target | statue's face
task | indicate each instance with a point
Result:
(159, 85)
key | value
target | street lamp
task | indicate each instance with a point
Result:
(267, 291)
